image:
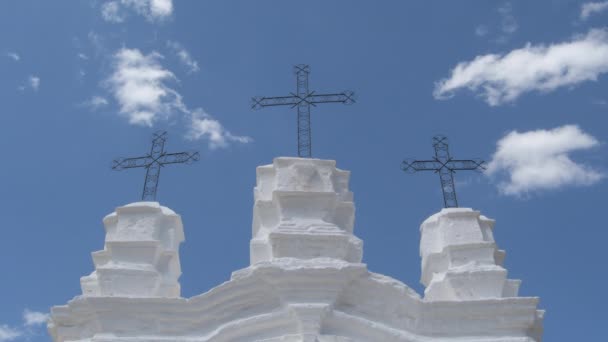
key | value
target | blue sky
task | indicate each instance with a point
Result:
(521, 84)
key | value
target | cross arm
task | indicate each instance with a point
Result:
(420, 165)
(130, 163)
(467, 164)
(259, 102)
(179, 158)
(346, 97)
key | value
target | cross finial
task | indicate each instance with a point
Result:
(153, 162)
(445, 166)
(303, 99)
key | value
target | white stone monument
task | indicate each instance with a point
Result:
(306, 281)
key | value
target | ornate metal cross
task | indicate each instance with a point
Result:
(153, 162)
(303, 99)
(445, 166)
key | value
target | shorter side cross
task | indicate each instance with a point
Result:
(153, 162)
(445, 166)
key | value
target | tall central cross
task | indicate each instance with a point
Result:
(153, 162)
(303, 99)
(445, 166)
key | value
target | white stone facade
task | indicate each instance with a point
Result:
(306, 281)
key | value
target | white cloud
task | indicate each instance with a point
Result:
(593, 8)
(508, 23)
(539, 160)
(34, 82)
(161, 8)
(112, 12)
(139, 85)
(14, 56)
(153, 10)
(9, 334)
(481, 30)
(503, 78)
(184, 56)
(83, 56)
(204, 126)
(96, 102)
(33, 318)
(502, 27)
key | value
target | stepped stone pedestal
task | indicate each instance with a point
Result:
(460, 260)
(141, 254)
(303, 209)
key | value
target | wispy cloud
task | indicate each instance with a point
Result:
(97, 42)
(13, 55)
(96, 102)
(502, 27)
(503, 78)
(184, 56)
(115, 11)
(34, 318)
(204, 126)
(9, 334)
(141, 86)
(589, 8)
(540, 160)
(31, 320)
(508, 23)
(112, 11)
(481, 30)
(34, 82)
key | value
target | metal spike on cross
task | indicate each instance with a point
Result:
(153, 162)
(303, 99)
(445, 166)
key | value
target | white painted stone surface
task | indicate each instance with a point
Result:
(306, 281)
(460, 259)
(303, 209)
(141, 254)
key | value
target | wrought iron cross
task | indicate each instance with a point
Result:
(303, 99)
(445, 166)
(153, 162)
